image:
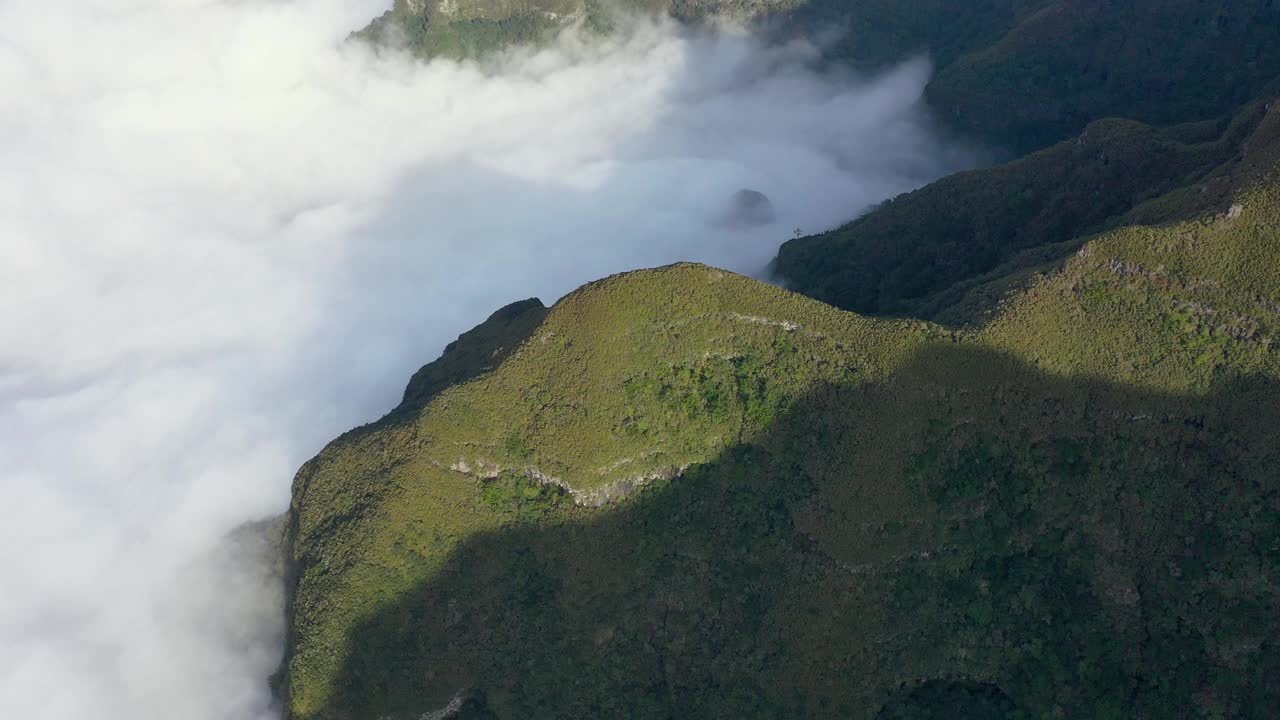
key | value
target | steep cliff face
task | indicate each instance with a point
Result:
(690, 494)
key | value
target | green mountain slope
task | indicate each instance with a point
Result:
(689, 494)
(681, 493)
(922, 253)
(1074, 61)
(1027, 73)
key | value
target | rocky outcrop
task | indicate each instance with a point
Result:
(594, 497)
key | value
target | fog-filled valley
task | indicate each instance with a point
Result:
(227, 234)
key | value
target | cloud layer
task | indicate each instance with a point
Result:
(226, 236)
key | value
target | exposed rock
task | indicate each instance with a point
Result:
(481, 470)
(623, 488)
(787, 325)
(610, 492)
(448, 711)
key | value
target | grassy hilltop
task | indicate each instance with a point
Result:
(685, 493)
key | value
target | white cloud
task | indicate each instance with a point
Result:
(226, 236)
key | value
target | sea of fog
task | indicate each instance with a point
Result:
(227, 235)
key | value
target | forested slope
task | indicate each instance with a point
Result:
(1036, 477)
(690, 494)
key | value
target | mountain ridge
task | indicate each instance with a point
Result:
(681, 492)
(914, 254)
(385, 510)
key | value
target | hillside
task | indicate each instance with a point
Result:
(934, 253)
(1035, 477)
(685, 493)
(1021, 74)
(1027, 73)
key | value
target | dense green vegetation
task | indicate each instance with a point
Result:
(1074, 61)
(689, 494)
(1027, 73)
(928, 253)
(682, 493)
